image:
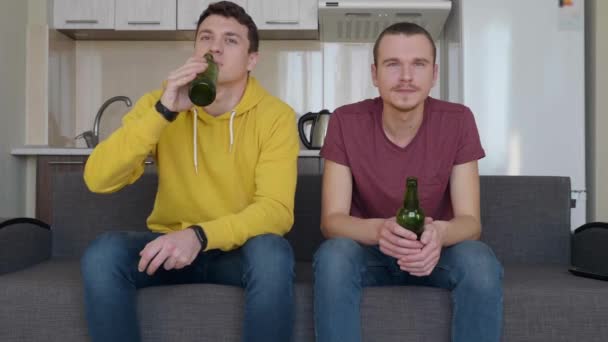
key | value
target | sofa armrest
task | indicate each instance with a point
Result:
(23, 242)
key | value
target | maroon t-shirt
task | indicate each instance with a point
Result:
(355, 138)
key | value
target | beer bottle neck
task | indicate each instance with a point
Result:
(411, 197)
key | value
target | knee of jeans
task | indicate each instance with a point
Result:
(269, 255)
(482, 270)
(338, 256)
(102, 254)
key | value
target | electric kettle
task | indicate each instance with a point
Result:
(318, 129)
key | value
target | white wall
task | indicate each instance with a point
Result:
(13, 21)
(597, 109)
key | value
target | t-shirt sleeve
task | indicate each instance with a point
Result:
(333, 147)
(470, 145)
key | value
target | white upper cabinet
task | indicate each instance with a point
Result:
(83, 14)
(144, 15)
(277, 19)
(188, 11)
(284, 14)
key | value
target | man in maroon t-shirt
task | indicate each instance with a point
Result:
(370, 149)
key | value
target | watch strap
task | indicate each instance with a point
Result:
(200, 235)
(165, 112)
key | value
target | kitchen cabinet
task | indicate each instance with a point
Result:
(145, 15)
(188, 11)
(284, 14)
(83, 14)
(48, 166)
(176, 19)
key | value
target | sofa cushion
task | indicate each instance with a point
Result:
(42, 303)
(547, 303)
(542, 303)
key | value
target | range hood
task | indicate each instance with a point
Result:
(363, 20)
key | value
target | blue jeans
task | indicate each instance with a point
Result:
(264, 267)
(342, 267)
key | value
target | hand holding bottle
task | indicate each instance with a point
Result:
(175, 95)
(424, 261)
(397, 241)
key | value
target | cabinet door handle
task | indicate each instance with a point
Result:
(143, 22)
(408, 15)
(66, 162)
(282, 22)
(149, 162)
(358, 15)
(81, 21)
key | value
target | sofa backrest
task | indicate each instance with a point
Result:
(79, 216)
(525, 219)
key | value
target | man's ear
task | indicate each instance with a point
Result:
(374, 72)
(253, 60)
(435, 73)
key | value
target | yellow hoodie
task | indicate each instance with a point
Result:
(236, 179)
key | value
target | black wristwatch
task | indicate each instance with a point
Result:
(200, 235)
(165, 112)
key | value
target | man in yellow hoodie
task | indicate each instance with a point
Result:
(227, 175)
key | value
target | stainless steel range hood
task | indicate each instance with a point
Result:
(363, 20)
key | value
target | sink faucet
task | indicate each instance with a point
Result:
(92, 137)
(103, 107)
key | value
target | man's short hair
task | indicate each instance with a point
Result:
(408, 29)
(229, 9)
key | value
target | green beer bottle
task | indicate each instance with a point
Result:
(411, 216)
(202, 88)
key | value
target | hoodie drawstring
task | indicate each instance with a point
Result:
(231, 129)
(194, 138)
(195, 135)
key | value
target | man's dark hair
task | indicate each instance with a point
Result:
(408, 29)
(229, 9)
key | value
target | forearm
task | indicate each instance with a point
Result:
(364, 231)
(118, 160)
(263, 217)
(461, 228)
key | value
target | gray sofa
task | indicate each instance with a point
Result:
(525, 220)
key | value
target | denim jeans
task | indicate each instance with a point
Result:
(264, 267)
(470, 270)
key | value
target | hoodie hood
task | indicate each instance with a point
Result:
(254, 93)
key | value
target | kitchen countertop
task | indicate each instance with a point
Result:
(43, 150)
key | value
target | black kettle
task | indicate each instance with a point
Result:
(318, 129)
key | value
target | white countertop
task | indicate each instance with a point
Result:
(43, 150)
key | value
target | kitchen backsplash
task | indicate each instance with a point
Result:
(308, 75)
